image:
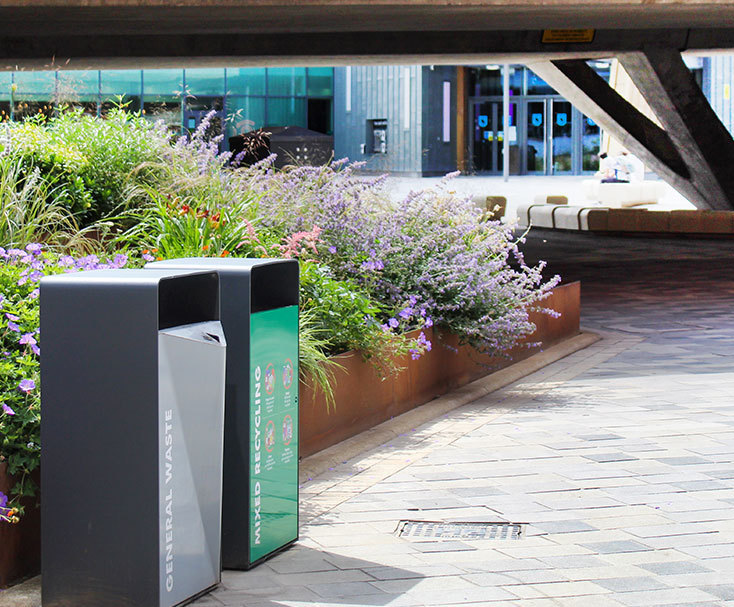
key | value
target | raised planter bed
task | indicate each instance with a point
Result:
(20, 544)
(364, 399)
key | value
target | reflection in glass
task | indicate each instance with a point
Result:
(162, 83)
(286, 81)
(205, 81)
(244, 114)
(121, 82)
(246, 81)
(287, 112)
(321, 81)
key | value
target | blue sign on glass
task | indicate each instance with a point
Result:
(590, 122)
(482, 121)
(561, 119)
(537, 119)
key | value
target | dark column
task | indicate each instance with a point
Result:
(689, 153)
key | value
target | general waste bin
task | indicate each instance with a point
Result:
(260, 319)
(132, 379)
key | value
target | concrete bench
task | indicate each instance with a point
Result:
(602, 219)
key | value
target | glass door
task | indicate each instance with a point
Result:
(535, 140)
(562, 140)
(488, 133)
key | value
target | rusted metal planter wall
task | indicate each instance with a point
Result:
(20, 544)
(364, 400)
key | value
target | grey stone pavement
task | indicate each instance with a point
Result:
(618, 459)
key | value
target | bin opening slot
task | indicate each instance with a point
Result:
(274, 285)
(183, 300)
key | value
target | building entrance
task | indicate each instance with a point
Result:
(547, 136)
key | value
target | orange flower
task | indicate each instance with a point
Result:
(184, 209)
(205, 247)
(224, 253)
(159, 258)
(146, 251)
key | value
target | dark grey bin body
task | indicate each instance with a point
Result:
(121, 348)
(247, 286)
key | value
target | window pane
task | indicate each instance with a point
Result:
(162, 83)
(286, 81)
(590, 145)
(75, 83)
(121, 82)
(321, 81)
(516, 75)
(37, 83)
(538, 86)
(485, 82)
(287, 112)
(5, 78)
(244, 114)
(205, 81)
(246, 81)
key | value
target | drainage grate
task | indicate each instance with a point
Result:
(431, 530)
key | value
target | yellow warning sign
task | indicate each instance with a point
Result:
(566, 36)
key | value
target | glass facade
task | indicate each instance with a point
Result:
(244, 98)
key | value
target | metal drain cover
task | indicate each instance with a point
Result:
(433, 531)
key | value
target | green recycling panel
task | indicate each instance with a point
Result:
(273, 430)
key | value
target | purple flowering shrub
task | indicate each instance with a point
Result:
(427, 259)
(20, 349)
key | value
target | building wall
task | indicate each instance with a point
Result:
(718, 81)
(378, 92)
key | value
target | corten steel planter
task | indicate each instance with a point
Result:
(20, 544)
(363, 399)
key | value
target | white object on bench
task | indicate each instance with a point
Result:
(616, 195)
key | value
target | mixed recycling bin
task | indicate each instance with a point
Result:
(259, 307)
(132, 374)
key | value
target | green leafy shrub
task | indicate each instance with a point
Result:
(91, 160)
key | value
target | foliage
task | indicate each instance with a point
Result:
(87, 161)
(429, 258)
(20, 399)
(30, 210)
(350, 319)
